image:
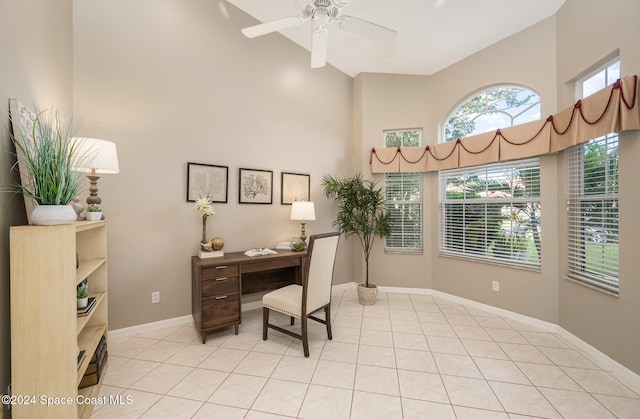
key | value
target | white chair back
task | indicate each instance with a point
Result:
(323, 248)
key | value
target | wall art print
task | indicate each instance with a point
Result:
(256, 186)
(295, 187)
(207, 181)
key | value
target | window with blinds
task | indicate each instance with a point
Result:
(492, 213)
(592, 199)
(403, 198)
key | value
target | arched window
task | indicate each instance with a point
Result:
(492, 212)
(497, 107)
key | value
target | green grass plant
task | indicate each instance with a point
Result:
(49, 152)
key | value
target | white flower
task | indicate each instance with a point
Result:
(203, 206)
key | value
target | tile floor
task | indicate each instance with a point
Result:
(408, 356)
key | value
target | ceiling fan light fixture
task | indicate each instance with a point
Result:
(322, 13)
(321, 17)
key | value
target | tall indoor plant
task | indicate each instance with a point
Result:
(361, 213)
(47, 152)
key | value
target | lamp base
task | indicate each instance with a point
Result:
(93, 197)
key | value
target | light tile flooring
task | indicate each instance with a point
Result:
(407, 356)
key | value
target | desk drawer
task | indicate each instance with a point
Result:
(214, 272)
(220, 310)
(220, 286)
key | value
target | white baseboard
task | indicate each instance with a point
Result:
(622, 373)
(147, 327)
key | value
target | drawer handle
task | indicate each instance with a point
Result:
(224, 278)
(221, 267)
(221, 298)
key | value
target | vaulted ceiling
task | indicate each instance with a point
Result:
(432, 34)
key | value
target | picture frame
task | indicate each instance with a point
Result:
(207, 180)
(294, 187)
(255, 186)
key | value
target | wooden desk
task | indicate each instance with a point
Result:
(217, 284)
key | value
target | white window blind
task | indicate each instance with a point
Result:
(492, 213)
(592, 213)
(592, 199)
(403, 196)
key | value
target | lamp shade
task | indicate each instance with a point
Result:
(303, 211)
(101, 156)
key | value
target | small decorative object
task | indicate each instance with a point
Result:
(297, 245)
(82, 292)
(94, 212)
(204, 208)
(217, 243)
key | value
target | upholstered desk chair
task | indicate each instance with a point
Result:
(301, 301)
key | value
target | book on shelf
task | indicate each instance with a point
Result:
(203, 254)
(260, 252)
(81, 356)
(85, 311)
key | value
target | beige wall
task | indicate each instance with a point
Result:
(173, 82)
(383, 102)
(526, 59)
(589, 31)
(393, 101)
(546, 58)
(36, 47)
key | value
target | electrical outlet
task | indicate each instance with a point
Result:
(155, 297)
(495, 285)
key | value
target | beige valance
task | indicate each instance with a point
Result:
(612, 109)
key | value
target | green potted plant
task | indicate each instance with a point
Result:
(361, 213)
(94, 212)
(82, 293)
(47, 153)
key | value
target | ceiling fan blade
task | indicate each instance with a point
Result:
(366, 29)
(319, 48)
(276, 25)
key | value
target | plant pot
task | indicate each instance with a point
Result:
(49, 215)
(367, 296)
(82, 302)
(93, 216)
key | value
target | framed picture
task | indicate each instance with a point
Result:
(295, 187)
(256, 186)
(207, 180)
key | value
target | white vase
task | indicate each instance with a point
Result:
(49, 215)
(93, 216)
(82, 302)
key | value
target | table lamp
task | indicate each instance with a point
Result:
(303, 211)
(104, 160)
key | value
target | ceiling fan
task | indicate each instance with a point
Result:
(322, 13)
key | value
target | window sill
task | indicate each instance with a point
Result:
(514, 265)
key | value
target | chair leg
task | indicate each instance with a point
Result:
(327, 316)
(265, 322)
(293, 320)
(305, 337)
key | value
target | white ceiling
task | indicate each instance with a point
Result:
(432, 34)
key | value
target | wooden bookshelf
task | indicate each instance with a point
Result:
(45, 328)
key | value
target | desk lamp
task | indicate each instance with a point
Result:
(105, 160)
(303, 211)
